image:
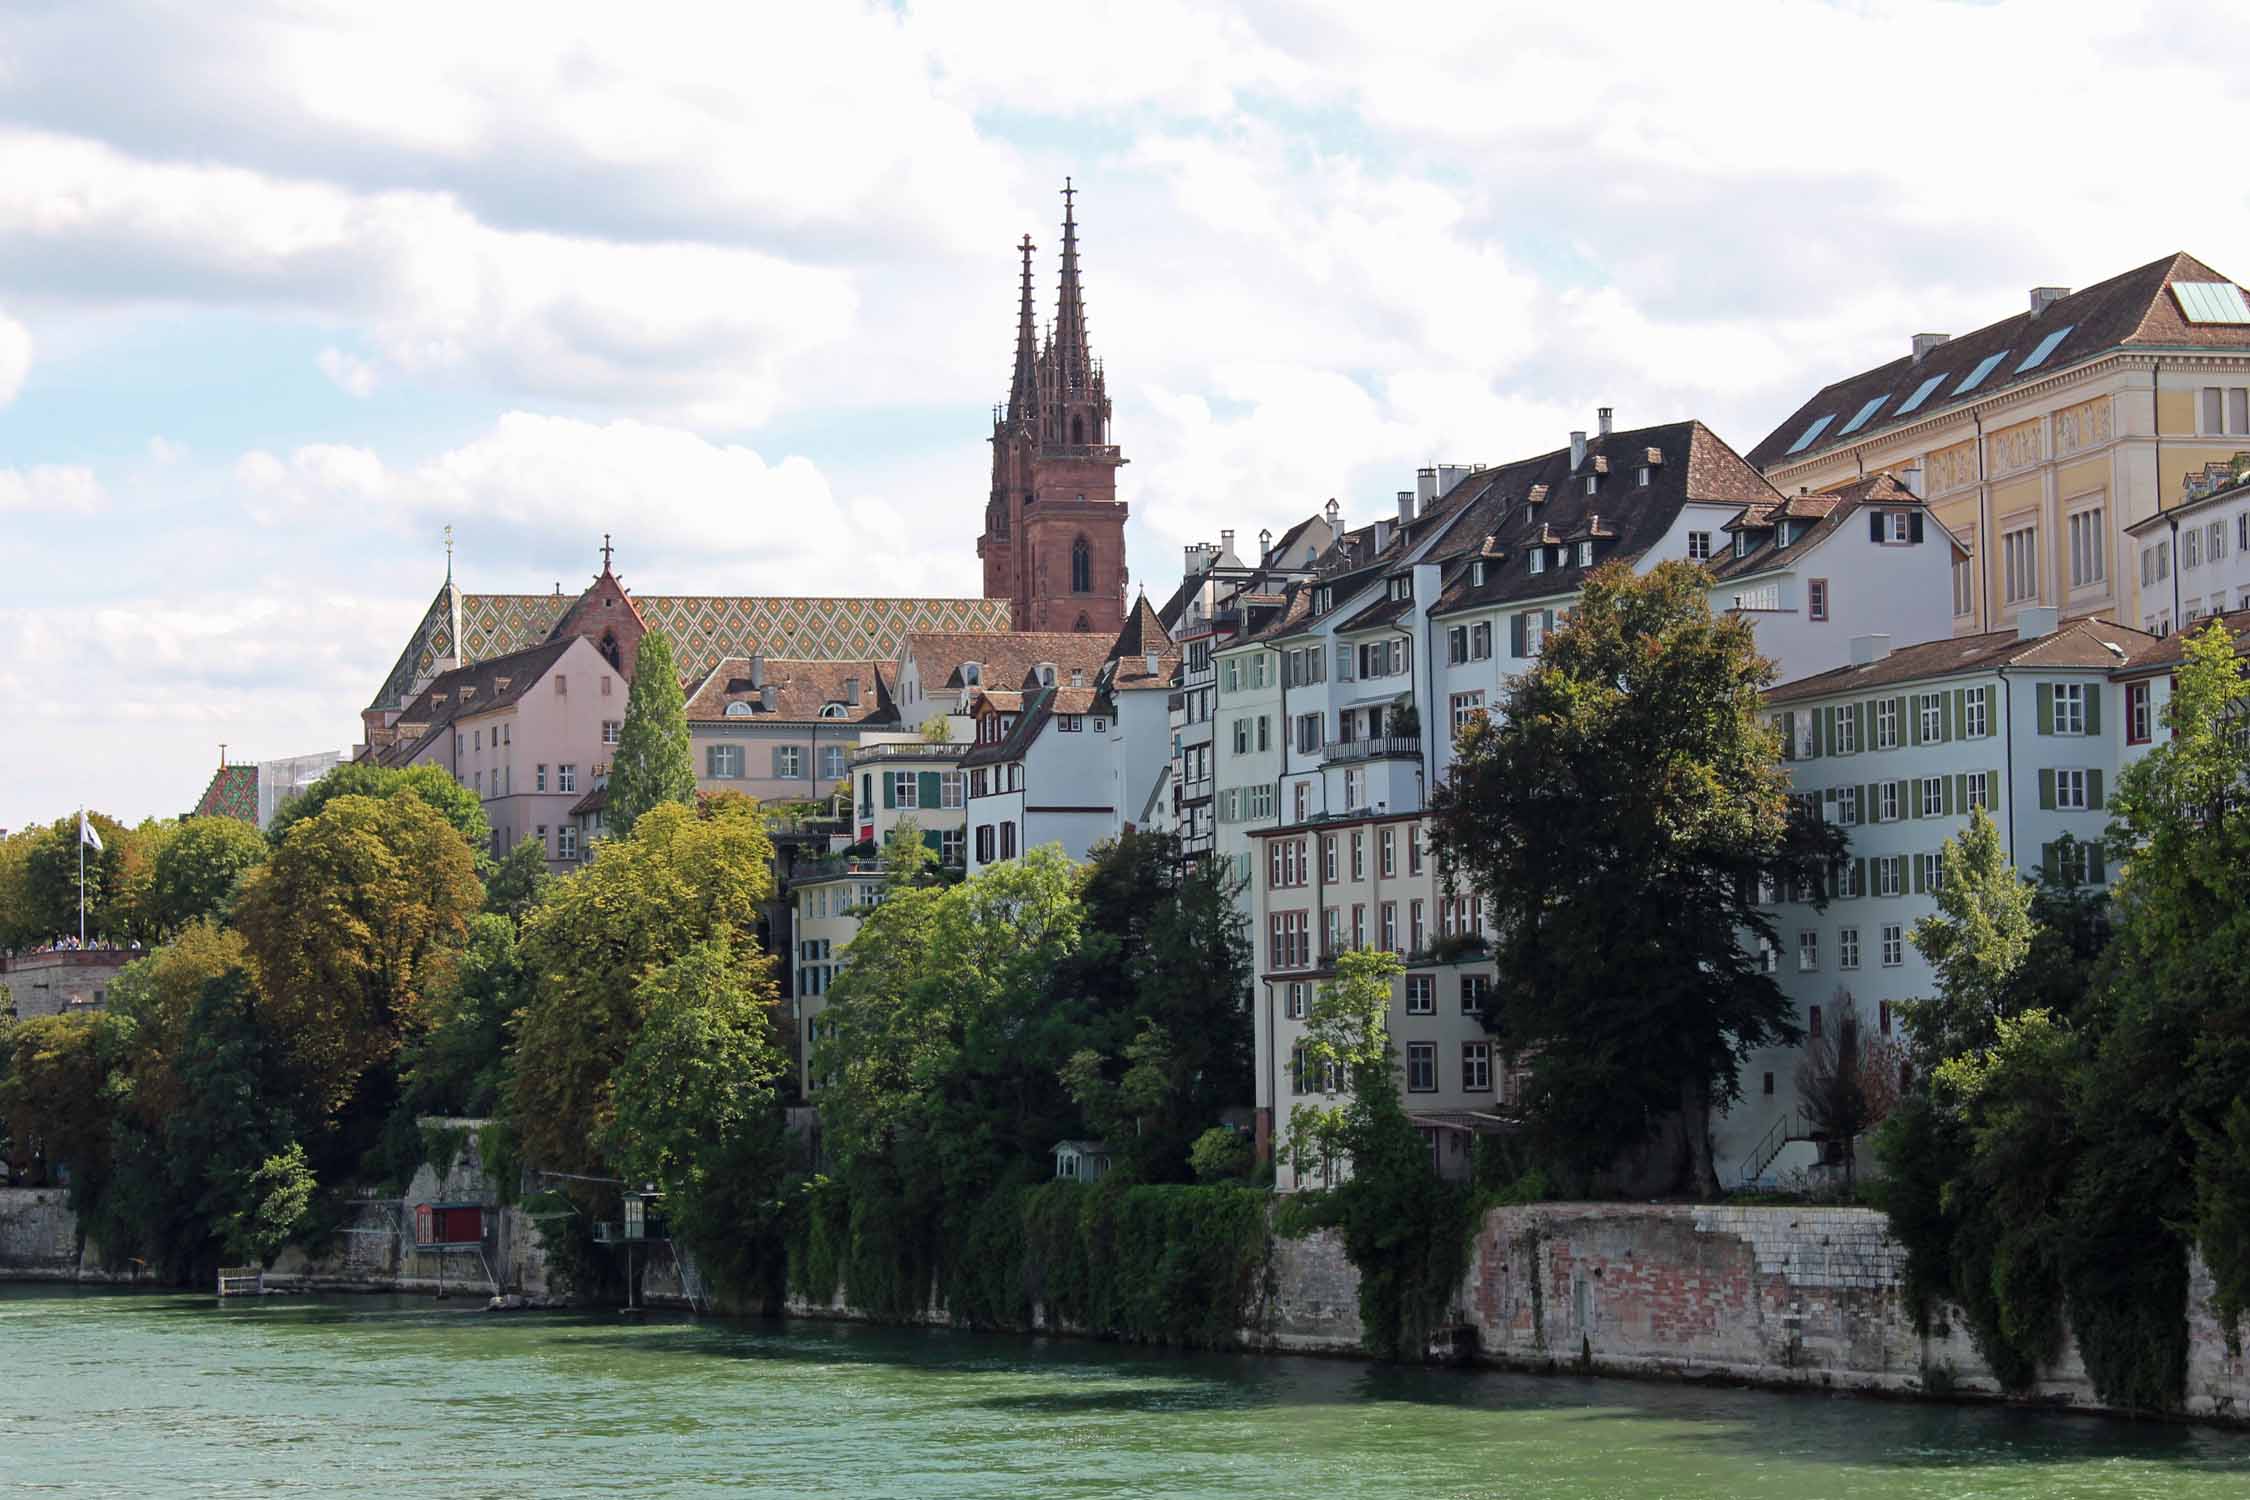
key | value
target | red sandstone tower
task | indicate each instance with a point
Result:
(1054, 529)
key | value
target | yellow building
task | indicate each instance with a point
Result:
(2039, 439)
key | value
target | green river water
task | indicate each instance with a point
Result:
(115, 1393)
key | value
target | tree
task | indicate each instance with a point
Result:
(675, 881)
(195, 871)
(1617, 817)
(135, 916)
(51, 865)
(159, 995)
(653, 764)
(519, 881)
(456, 803)
(1847, 1083)
(1976, 942)
(458, 1066)
(54, 1091)
(1347, 1048)
(353, 923)
(279, 1193)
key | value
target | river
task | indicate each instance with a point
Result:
(145, 1394)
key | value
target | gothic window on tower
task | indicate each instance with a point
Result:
(1081, 567)
(1077, 431)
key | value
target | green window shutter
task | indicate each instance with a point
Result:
(2046, 692)
(1948, 714)
(926, 786)
(1515, 636)
(1914, 722)
(1991, 705)
(890, 791)
(1819, 732)
(2093, 789)
(1788, 734)
(2095, 868)
(1860, 717)
(2094, 707)
(1960, 793)
(1859, 872)
(1915, 860)
(1905, 725)
(932, 840)
(1992, 791)
(1910, 796)
(2050, 861)
(1946, 793)
(1868, 806)
(2047, 788)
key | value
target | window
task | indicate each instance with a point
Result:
(1898, 526)
(984, 854)
(905, 789)
(1416, 929)
(1886, 724)
(788, 761)
(539, 778)
(1466, 706)
(723, 762)
(1769, 957)
(1768, 1086)
(1328, 857)
(1699, 546)
(2088, 545)
(1359, 924)
(1390, 927)
(1421, 995)
(1386, 858)
(610, 728)
(1476, 989)
(949, 790)
(1476, 1067)
(1883, 1017)
(2019, 555)
(1812, 1022)
(1293, 1003)
(1932, 871)
(566, 841)
(1931, 706)
(950, 846)
(1355, 788)
(2070, 707)
(1847, 730)
(1421, 1067)
(1808, 950)
(1851, 881)
(1081, 567)
(831, 761)
(1308, 733)
(1887, 875)
(1480, 641)
(1847, 806)
(1980, 790)
(1894, 945)
(2226, 409)
(1933, 796)
(2070, 791)
(566, 778)
(1538, 560)
(562, 685)
(1816, 599)
(2191, 549)
(1456, 645)
(2139, 719)
(1847, 948)
(1585, 554)
(1414, 850)
(1593, 483)
(1974, 724)
(1964, 585)
(1886, 802)
(2215, 540)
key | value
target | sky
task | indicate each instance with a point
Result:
(287, 287)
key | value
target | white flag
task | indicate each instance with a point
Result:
(87, 834)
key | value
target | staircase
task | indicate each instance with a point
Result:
(1790, 1127)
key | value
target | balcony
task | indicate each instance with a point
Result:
(1388, 747)
(868, 754)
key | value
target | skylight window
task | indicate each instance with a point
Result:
(2211, 302)
(1865, 412)
(1812, 434)
(1975, 377)
(1921, 394)
(2046, 347)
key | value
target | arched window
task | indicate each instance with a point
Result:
(609, 649)
(1077, 430)
(1081, 567)
(1083, 625)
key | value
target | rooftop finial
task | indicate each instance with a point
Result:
(605, 552)
(1074, 359)
(449, 553)
(1023, 388)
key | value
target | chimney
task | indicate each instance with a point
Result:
(851, 692)
(1265, 543)
(1603, 415)
(1382, 535)
(1425, 486)
(1187, 561)
(222, 755)
(2035, 622)
(767, 695)
(1869, 649)
(757, 669)
(1334, 512)
(1925, 342)
(1577, 450)
(1226, 541)
(1405, 506)
(2044, 297)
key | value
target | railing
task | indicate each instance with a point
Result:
(909, 750)
(1784, 1130)
(1388, 747)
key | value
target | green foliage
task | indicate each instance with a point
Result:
(448, 798)
(519, 882)
(2222, 1211)
(458, 1065)
(196, 870)
(1220, 1155)
(503, 1161)
(653, 765)
(39, 899)
(1976, 942)
(279, 1194)
(1617, 816)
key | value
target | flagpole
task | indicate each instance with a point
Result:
(81, 877)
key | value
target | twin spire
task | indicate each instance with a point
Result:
(1064, 365)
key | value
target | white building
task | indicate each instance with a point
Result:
(2194, 557)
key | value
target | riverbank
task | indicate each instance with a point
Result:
(1780, 1298)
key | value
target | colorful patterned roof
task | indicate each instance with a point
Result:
(459, 629)
(233, 793)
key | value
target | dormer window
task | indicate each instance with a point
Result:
(971, 673)
(1593, 482)
(1538, 559)
(1476, 574)
(1402, 588)
(1742, 544)
(1585, 554)
(1077, 676)
(740, 710)
(832, 710)
(1321, 599)
(1641, 478)
(1046, 674)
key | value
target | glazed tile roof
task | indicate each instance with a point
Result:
(2093, 643)
(2134, 310)
(802, 691)
(233, 793)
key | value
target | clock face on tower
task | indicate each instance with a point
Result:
(1054, 534)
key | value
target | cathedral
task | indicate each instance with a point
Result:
(1054, 530)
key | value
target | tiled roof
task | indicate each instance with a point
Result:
(233, 793)
(802, 690)
(475, 689)
(593, 802)
(1008, 657)
(1828, 511)
(2102, 644)
(2129, 311)
(1692, 464)
(2165, 653)
(1038, 707)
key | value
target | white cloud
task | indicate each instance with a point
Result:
(15, 357)
(52, 489)
(351, 375)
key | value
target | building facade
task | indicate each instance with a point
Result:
(783, 731)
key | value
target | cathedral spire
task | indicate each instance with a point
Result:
(1023, 391)
(1073, 360)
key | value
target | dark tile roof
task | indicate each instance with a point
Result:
(1038, 707)
(593, 802)
(2164, 653)
(233, 793)
(1686, 462)
(802, 689)
(2080, 643)
(1009, 657)
(2128, 311)
(478, 688)
(1827, 511)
